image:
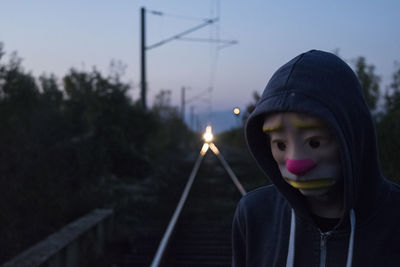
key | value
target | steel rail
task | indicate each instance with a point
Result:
(172, 223)
(235, 180)
(162, 247)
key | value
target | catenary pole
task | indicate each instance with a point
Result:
(144, 47)
(183, 103)
(143, 83)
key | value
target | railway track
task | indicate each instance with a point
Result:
(202, 233)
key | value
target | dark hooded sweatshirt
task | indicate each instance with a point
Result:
(273, 225)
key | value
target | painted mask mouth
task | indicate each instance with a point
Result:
(311, 184)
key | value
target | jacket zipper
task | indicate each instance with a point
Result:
(322, 261)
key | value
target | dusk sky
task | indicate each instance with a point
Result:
(54, 36)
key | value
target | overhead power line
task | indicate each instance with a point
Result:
(179, 35)
(177, 16)
(221, 43)
(194, 39)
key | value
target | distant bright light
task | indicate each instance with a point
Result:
(236, 111)
(208, 136)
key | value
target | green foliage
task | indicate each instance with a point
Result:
(173, 136)
(369, 81)
(392, 95)
(389, 128)
(64, 151)
(232, 145)
(233, 138)
(388, 131)
(250, 107)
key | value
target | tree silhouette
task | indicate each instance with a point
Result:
(369, 81)
(389, 128)
(65, 143)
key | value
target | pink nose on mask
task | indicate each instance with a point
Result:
(300, 166)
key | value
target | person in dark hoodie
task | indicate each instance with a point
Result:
(329, 204)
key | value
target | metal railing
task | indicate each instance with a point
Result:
(80, 239)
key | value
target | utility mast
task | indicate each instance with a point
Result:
(179, 36)
(143, 82)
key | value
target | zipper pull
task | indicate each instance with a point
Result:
(324, 237)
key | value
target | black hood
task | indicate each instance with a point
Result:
(321, 84)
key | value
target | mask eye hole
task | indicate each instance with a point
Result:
(314, 143)
(281, 146)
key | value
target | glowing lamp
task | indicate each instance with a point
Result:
(208, 136)
(236, 111)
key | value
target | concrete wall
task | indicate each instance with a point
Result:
(74, 245)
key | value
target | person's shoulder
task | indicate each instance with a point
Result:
(262, 207)
(262, 192)
(394, 191)
(391, 198)
(395, 187)
(263, 196)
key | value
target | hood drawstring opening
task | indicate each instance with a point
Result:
(290, 256)
(351, 241)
